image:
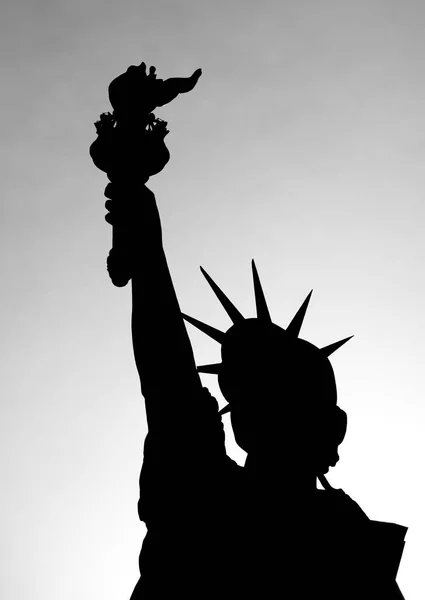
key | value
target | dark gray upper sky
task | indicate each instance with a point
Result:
(302, 146)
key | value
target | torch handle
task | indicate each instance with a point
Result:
(119, 259)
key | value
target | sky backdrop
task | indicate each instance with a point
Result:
(302, 146)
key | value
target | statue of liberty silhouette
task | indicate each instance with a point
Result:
(216, 529)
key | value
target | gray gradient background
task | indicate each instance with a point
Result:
(302, 146)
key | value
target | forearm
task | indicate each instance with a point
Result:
(162, 349)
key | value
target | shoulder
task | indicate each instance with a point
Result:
(193, 439)
(374, 545)
(340, 505)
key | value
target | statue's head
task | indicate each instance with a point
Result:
(280, 389)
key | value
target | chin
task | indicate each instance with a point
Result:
(322, 470)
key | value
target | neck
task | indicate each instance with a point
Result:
(295, 478)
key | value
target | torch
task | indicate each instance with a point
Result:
(130, 143)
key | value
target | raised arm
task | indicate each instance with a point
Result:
(162, 349)
(130, 148)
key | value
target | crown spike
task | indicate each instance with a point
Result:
(214, 369)
(295, 325)
(213, 333)
(263, 313)
(231, 310)
(328, 350)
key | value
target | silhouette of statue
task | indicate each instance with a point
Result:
(215, 529)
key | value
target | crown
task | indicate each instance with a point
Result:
(244, 327)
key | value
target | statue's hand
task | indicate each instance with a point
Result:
(133, 209)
